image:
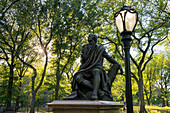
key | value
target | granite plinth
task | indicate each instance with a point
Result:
(84, 106)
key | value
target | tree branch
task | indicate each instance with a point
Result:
(3, 14)
(114, 44)
(44, 71)
(51, 34)
(70, 55)
(152, 52)
(39, 25)
(22, 41)
(139, 41)
(133, 75)
(144, 53)
(133, 60)
(6, 43)
(5, 55)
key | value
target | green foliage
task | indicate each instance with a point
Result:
(27, 26)
(118, 89)
(163, 74)
(3, 83)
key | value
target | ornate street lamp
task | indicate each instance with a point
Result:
(125, 21)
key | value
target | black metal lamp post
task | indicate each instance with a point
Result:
(125, 21)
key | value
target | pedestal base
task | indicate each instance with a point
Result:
(84, 106)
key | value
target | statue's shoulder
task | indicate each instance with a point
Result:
(84, 46)
(100, 46)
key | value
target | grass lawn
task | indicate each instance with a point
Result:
(153, 109)
(39, 110)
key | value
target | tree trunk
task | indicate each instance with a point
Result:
(167, 104)
(147, 98)
(17, 101)
(148, 101)
(33, 102)
(163, 102)
(141, 96)
(57, 87)
(28, 102)
(10, 83)
(166, 94)
(19, 90)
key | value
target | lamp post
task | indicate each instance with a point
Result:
(125, 21)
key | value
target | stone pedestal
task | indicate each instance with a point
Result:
(84, 106)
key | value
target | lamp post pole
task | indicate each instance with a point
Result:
(126, 39)
(125, 21)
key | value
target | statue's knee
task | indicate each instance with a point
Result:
(96, 71)
(79, 78)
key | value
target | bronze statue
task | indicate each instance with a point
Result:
(91, 82)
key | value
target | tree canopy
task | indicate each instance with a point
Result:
(40, 42)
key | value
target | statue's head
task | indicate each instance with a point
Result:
(92, 38)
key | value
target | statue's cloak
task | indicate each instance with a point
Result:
(93, 57)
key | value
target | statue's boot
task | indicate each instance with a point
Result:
(94, 96)
(101, 93)
(72, 96)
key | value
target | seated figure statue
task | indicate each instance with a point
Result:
(91, 82)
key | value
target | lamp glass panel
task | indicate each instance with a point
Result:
(119, 23)
(130, 21)
(123, 14)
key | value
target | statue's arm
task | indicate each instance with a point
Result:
(82, 55)
(109, 58)
(112, 60)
